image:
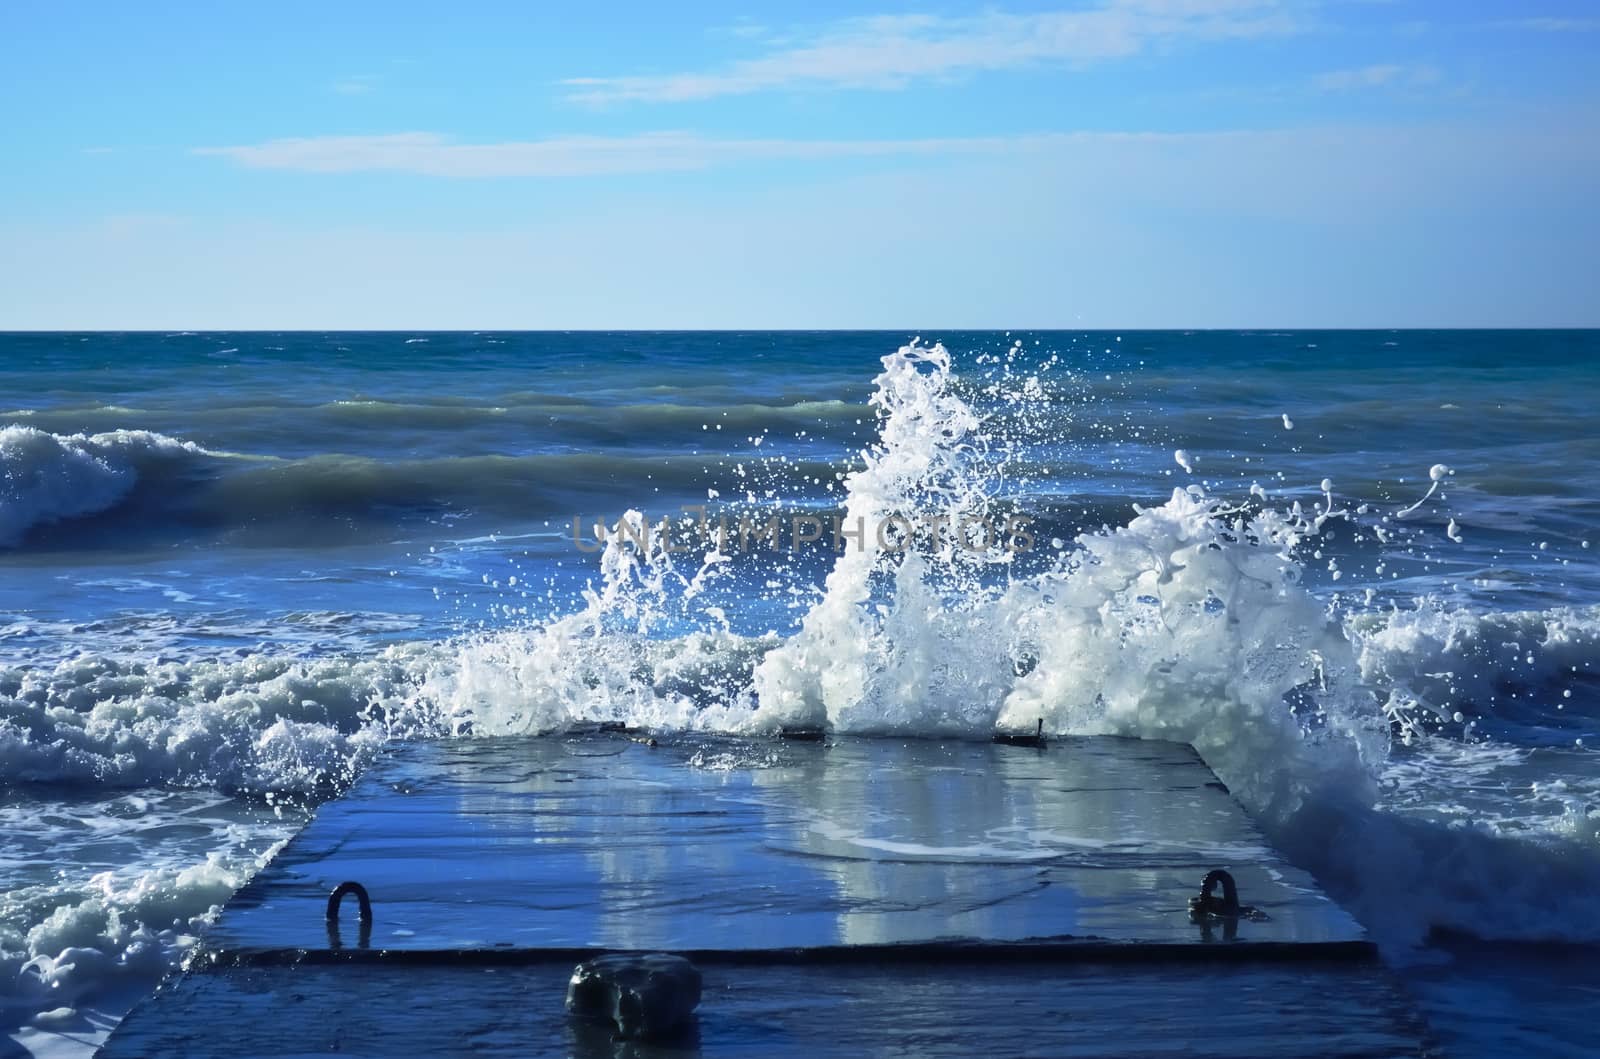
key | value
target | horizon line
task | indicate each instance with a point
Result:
(920, 332)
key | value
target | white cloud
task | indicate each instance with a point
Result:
(1555, 25)
(744, 27)
(1412, 226)
(1377, 76)
(891, 51)
(356, 84)
(431, 154)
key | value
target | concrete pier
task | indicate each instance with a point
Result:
(840, 897)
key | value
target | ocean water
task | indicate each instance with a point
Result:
(1354, 569)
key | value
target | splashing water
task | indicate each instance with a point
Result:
(1188, 623)
(1191, 623)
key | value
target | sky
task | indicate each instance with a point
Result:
(1075, 164)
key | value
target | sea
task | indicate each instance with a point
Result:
(1355, 569)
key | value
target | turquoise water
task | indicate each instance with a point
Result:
(237, 564)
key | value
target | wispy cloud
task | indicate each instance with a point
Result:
(1549, 24)
(432, 154)
(892, 51)
(744, 27)
(1382, 75)
(133, 225)
(356, 84)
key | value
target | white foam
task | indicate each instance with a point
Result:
(78, 945)
(860, 668)
(1436, 476)
(1442, 657)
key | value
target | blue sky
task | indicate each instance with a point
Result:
(1084, 163)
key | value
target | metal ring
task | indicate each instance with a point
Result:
(338, 895)
(1229, 905)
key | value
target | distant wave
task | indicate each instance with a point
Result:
(532, 485)
(549, 418)
(47, 478)
(76, 490)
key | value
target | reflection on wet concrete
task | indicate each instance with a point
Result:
(599, 841)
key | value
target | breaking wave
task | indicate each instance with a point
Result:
(80, 490)
(1521, 669)
(48, 478)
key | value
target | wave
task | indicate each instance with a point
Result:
(259, 724)
(85, 936)
(581, 420)
(371, 426)
(48, 478)
(1458, 666)
(67, 491)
